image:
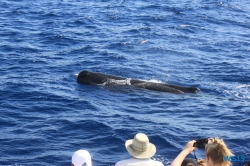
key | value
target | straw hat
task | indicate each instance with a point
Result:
(140, 147)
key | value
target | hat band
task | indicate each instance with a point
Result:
(140, 149)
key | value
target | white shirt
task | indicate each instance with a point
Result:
(138, 162)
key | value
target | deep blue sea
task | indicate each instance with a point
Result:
(46, 115)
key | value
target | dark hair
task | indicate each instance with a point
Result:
(188, 160)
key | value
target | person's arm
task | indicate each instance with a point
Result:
(188, 148)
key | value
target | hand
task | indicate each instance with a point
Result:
(190, 146)
(210, 140)
(187, 149)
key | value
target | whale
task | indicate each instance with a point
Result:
(94, 78)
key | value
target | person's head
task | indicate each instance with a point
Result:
(189, 162)
(248, 164)
(216, 150)
(140, 147)
(81, 158)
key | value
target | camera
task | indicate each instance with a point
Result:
(200, 143)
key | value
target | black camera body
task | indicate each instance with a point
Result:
(200, 143)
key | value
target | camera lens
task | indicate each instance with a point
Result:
(201, 143)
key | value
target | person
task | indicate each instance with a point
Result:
(192, 162)
(248, 164)
(141, 151)
(215, 151)
(189, 162)
(81, 158)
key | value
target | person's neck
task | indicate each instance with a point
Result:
(141, 159)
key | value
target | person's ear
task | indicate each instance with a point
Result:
(207, 159)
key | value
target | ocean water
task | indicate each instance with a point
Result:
(46, 115)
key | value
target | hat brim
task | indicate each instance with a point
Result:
(140, 155)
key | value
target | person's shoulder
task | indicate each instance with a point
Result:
(123, 162)
(157, 163)
(134, 161)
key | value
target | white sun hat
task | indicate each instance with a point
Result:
(81, 158)
(140, 147)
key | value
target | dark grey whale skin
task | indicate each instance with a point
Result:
(86, 77)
